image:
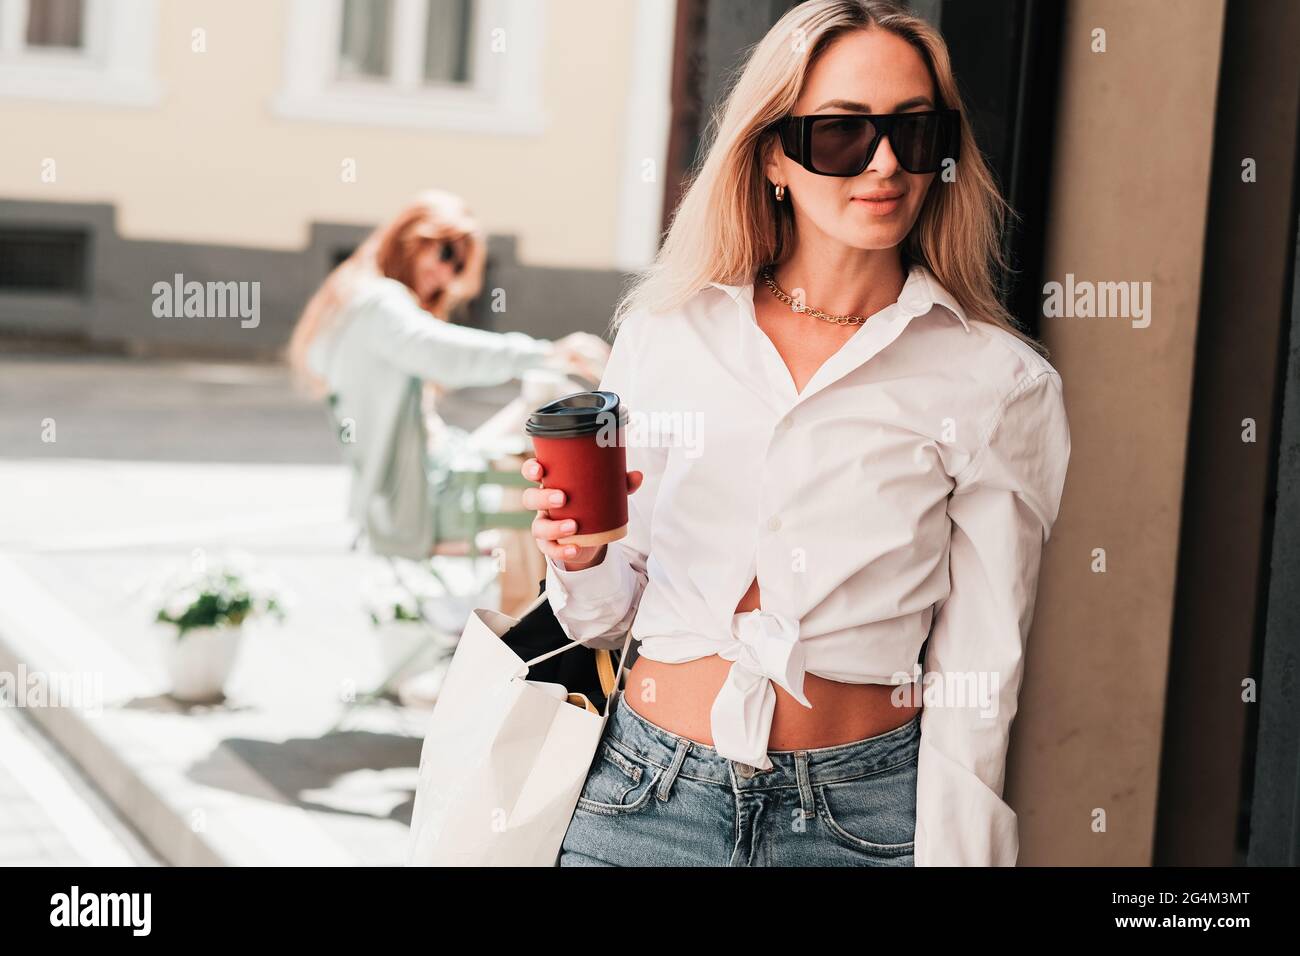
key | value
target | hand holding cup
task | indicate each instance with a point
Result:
(546, 529)
(579, 444)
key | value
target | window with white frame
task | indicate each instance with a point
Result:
(53, 24)
(454, 64)
(385, 41)
(93, 50)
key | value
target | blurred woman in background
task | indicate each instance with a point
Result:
(377, 339)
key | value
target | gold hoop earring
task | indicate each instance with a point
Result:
(780, 193)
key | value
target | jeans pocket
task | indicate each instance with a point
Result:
(617, 783)
(874, 814)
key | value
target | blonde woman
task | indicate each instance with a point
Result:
(861, 462)
(377, 338)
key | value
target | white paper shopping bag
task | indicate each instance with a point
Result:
(504, 760)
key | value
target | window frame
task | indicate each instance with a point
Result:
(116, 63)
(502, 96)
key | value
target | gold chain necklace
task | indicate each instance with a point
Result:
(766, 275)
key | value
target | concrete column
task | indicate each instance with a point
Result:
(1128, 204)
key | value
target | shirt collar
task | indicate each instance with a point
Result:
(921, 292)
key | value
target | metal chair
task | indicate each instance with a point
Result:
(463, 510)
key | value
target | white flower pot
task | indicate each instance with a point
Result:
(200, 662)
(398, 641)
(421, 690)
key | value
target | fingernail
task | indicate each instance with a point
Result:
(557, 498)
(570, 552)
(570, 526)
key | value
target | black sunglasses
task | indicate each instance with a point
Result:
(448, 254)
(842, 144)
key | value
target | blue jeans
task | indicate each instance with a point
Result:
(653, 798)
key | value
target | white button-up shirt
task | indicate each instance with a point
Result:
(905, 493)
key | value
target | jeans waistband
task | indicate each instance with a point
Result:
(642, 739)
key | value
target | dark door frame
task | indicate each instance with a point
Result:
(1236, 585)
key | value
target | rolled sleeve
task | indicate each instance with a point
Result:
(1002, 510)
(592, 606)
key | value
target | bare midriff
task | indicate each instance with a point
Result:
(679, 698)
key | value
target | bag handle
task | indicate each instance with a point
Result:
(533, 605)
(622, 666)
(622, 657)
(565, 648)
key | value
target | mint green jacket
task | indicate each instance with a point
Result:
(374, 357)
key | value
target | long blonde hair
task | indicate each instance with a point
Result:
(729, 225)
(391, 250)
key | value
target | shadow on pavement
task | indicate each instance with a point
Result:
(346, 772)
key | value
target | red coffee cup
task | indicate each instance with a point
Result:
(578, 440)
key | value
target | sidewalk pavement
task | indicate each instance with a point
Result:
(154, 460)
(268, 777)
(53, 816)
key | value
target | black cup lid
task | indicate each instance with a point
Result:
(582, 413)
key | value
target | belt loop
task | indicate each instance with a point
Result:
(670, 775)
(806, 799)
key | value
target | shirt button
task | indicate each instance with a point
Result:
(774, 523)
(784, 424)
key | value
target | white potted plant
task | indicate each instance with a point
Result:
(404, 641)
(206, 609)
